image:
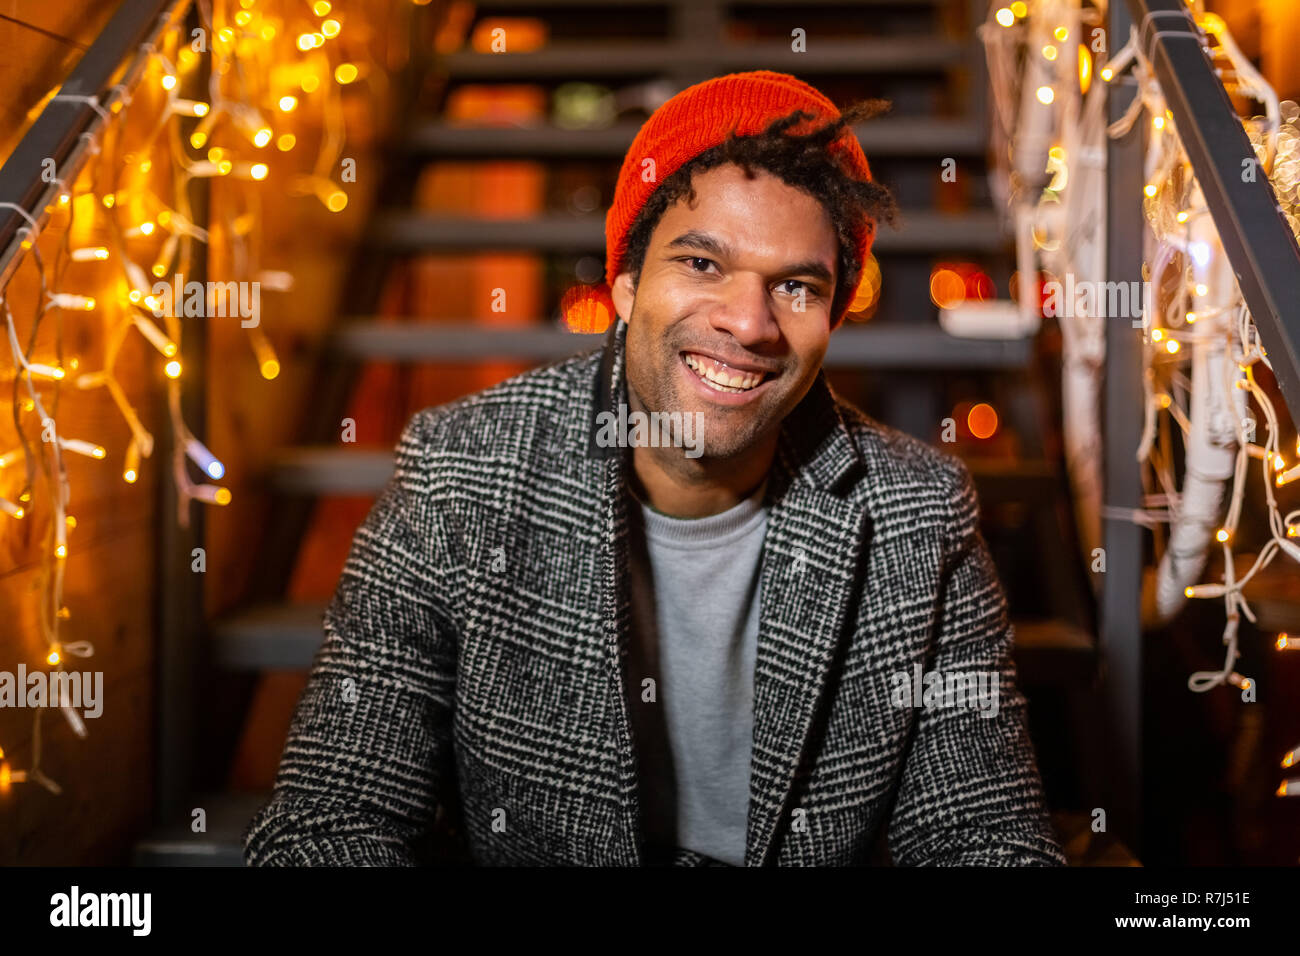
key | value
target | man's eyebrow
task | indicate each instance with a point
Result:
(694, 239)
(811, 267)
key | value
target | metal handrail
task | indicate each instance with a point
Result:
(63, 132)
(1256, 237)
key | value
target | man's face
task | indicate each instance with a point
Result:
(738, 289)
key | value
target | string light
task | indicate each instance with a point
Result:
(1194, 318)
(255, 75)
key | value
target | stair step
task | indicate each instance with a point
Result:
(286, 636)
(1025, 480)
(920, 53)
(1054, 652)
(220, 845)
(335, 470)
(549, 6)
(901, 136)
(269, 637)
(876, 345)
(331, 470)
(919, 232)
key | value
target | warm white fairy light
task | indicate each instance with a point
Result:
(152, 237)
(1198, 328)
(1276, 140)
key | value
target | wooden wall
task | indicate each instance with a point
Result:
(111, 572)
(108, 586)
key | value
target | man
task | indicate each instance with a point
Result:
(696, 643)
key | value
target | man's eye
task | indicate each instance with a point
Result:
(808, 290)
(692, 262)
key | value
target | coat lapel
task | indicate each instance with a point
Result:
(615, 596)
(814, 539)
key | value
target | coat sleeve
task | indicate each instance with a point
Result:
(362, 769)
(970, 792)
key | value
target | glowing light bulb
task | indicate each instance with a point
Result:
(1005, 17)
(321, 8)
(1107, 73)
(1158, 122)
(172, 369)
(168, 81)
(337, 201)
(53, 658)
(1150, 189)
(345, 73)
(262, 137)
(288, 103)
(1045, 95)
(330, 28)
(270, 369)
(1172, 346)
(1222, 534)
(286, 142)
(1049, 52)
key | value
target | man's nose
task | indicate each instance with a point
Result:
(744, 309)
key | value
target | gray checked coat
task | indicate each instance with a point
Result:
(473, 652)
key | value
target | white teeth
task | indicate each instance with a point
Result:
(721, 380)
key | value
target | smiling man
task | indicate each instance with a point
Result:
(561, 646)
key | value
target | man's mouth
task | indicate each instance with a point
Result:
(721, 377)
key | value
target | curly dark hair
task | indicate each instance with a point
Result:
(801, 161)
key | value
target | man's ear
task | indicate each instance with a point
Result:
(623, 294)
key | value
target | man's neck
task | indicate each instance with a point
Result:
(684, 487)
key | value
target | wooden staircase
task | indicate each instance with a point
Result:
(921, 54)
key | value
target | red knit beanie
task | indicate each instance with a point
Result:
(697, 119)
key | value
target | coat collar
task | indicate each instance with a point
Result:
(818, 527)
